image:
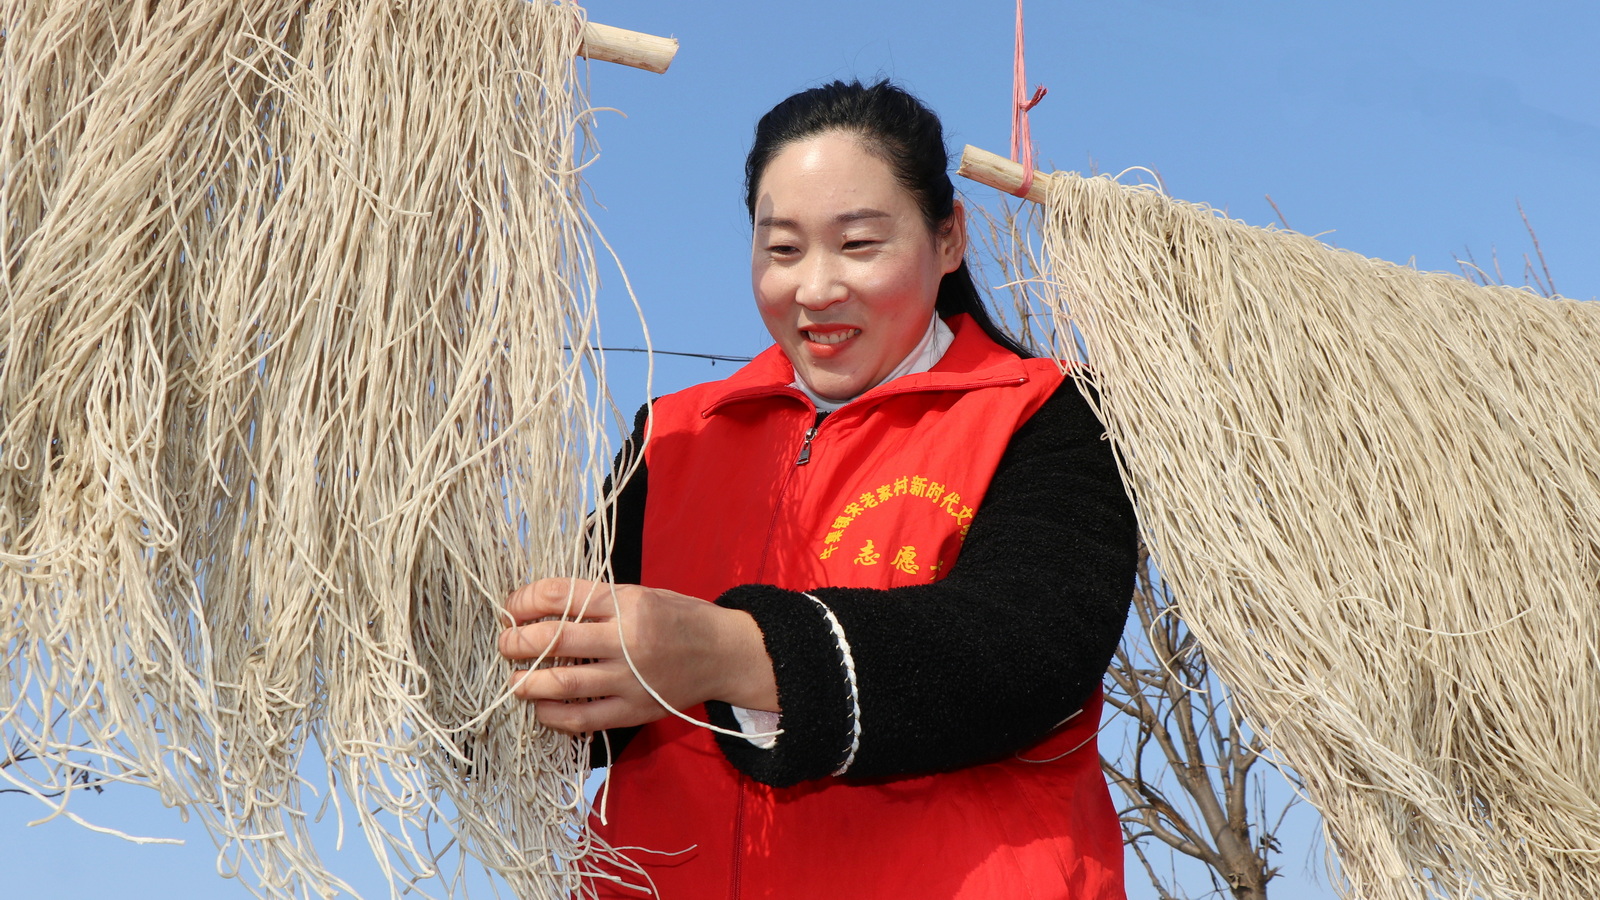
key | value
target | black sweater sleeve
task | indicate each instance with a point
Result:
(976, 666)
(625, 529)
(627, 549)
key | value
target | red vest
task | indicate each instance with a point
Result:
(884, 498)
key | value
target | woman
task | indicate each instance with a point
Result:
(918, 550)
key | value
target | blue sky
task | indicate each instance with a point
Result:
(1403, 130)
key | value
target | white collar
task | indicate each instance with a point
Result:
(928, 351)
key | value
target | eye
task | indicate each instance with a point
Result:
(782, 249)
(859, 244)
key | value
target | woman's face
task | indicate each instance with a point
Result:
(845, 271)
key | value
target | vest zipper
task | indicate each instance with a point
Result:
(805, 449)
(783, 491)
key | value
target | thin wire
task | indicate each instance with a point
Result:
(714, 357)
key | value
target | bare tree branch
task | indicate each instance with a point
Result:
(1198, 802)
(19, 755)
(1546, 287)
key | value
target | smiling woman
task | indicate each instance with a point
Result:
(920, 556)
(844, 269)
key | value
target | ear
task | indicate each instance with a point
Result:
(951, 239)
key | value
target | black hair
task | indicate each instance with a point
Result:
(899, 129)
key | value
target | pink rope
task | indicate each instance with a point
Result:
(1021, 137)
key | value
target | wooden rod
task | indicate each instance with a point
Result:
(628, 48)
(998, 172)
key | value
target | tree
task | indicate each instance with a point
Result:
(1188, 773)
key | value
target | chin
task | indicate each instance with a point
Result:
(835, 389)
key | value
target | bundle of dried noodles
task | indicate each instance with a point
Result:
(285, 411)
(1376, 494)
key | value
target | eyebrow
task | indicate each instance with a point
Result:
(844, 218)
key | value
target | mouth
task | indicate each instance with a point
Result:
(831, 336)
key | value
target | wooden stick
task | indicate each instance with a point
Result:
(628, 48)
(998, 172)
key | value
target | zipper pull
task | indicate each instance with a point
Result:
(805, 449)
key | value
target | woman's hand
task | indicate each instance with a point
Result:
(690, 651)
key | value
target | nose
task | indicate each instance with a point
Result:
(822, 282)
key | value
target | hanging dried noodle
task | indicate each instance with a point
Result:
(1376, 493)
(284, 413)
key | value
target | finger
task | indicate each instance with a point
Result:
(546, 597)
(563, 640)
(567, 597)
(583, 717)
(580, 682)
